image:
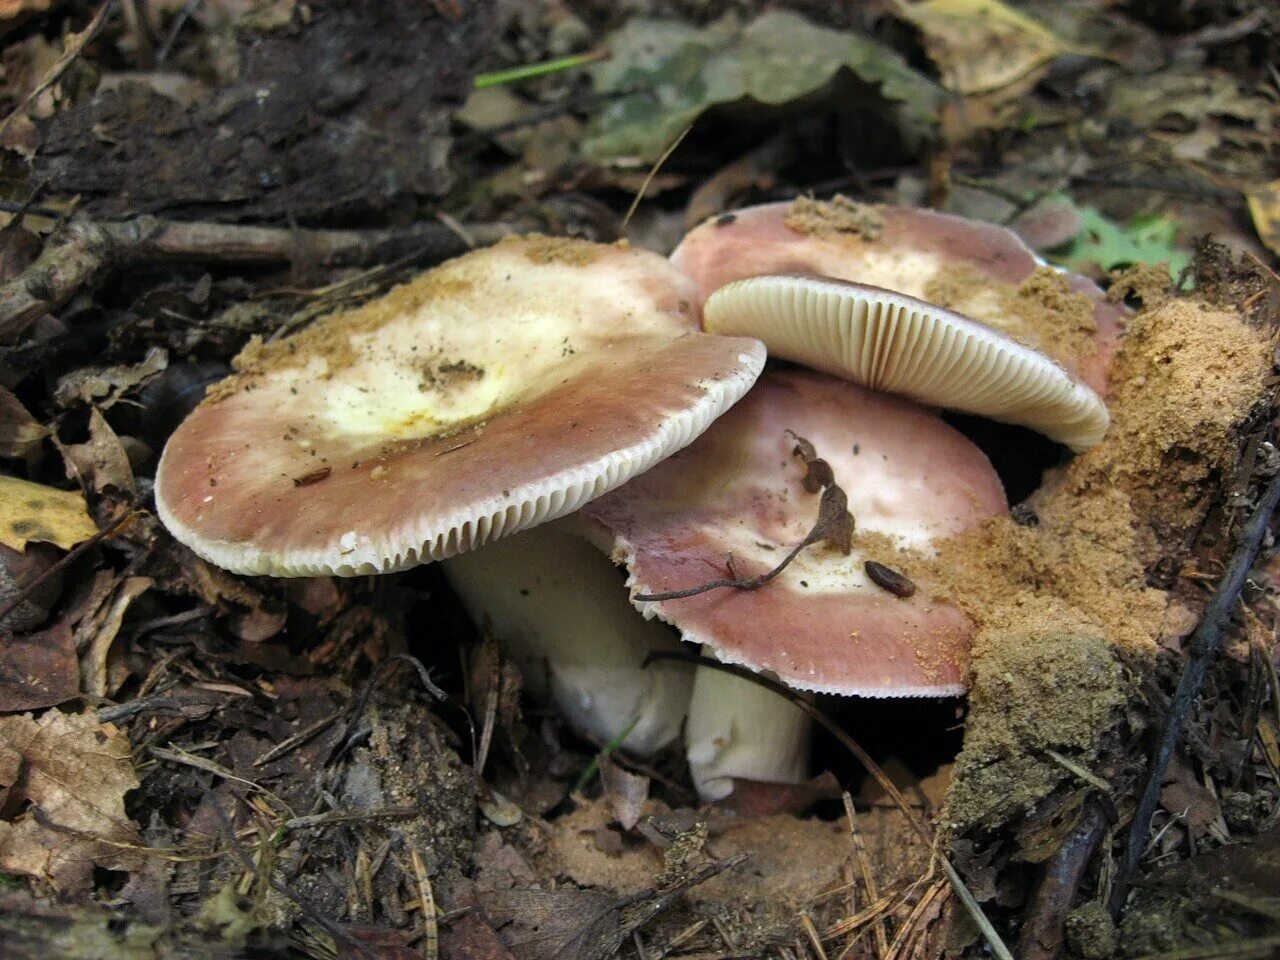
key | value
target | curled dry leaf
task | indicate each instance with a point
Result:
(102, 460)
(1264, 208)
(31, 512)
(982, 45)
(74, 773)
(105, 385)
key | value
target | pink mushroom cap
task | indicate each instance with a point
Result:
(822, 624)
(500, 390)
(899, 249)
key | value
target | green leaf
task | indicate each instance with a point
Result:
(672, 72)
(1105, 245)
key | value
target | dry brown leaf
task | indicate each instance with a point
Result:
(982, 45)
(16, 9)
(105, 385)
(102, 460)
(31, 512)
(19, 430)
(625, 791)
(96, 633)
(74, 774)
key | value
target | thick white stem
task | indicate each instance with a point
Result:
(741, 729)
(559, 609)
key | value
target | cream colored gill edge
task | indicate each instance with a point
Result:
(474, 524)
(895, 343)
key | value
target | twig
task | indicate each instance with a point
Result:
(1046, 915)
(83, 251)
(430, 919)
(653, 172)
(1204, 646)
(372, 683)
(864, 868)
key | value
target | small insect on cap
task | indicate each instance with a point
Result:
(974, 268)
(830, 621)
(495, 392)
(895, 343)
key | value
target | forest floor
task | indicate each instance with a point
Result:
(197, 764)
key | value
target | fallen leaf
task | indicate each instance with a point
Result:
(982, 45)
(97, 632)
(32, 512)
(565, 924)
(1103, 246)
(20, 432)
(102, 459)
(105, 385)
(38, 670)
(674, 72)
(1264, 208)
(75, 772)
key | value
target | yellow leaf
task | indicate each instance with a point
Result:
(33, 512)
(1264, 207)
(982, 45)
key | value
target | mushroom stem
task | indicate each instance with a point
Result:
(740, 729)
(558, 608)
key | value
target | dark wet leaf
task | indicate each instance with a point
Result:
(38, 670)
(674, 72)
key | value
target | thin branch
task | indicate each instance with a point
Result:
(1045, 918)
(83, 251)
(1204, 646)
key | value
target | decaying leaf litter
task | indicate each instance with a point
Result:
(196, 763)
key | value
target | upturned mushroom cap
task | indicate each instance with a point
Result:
(895, 343)
(915, 252)
(821, 624)
(495, 392)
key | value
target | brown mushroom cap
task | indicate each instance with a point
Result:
(495, 392)
(821, 624)
(900, 249)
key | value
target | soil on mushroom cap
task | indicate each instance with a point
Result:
(1042, 311)
(839, 215)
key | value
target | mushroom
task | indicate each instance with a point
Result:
(500, 390)
(920, 253)
(823, 624)
(896, 343)
(558, 607)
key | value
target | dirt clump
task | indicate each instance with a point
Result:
(1055, 590)
(1034, 691)
(839, 215)
(1042, 311)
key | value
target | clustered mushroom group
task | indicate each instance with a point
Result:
(534, 413)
